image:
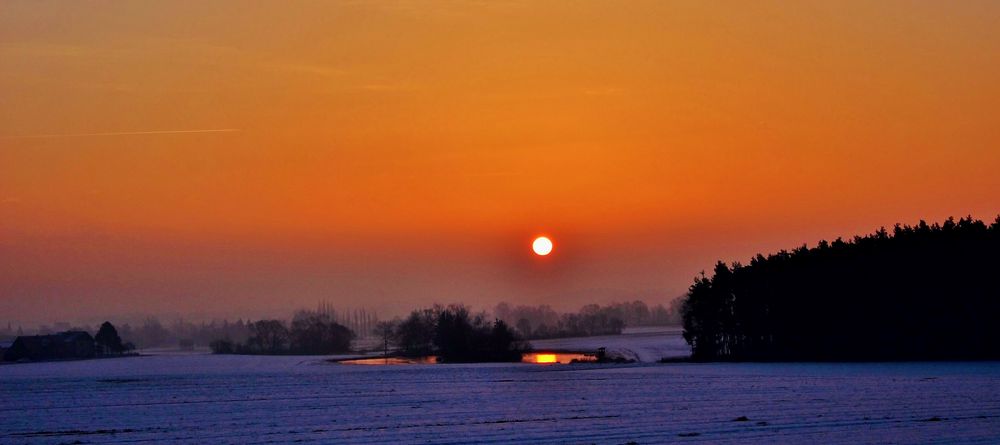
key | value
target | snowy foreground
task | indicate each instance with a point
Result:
(240, 399)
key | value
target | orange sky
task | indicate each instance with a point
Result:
(395, 154)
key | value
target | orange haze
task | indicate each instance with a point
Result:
(236, 158)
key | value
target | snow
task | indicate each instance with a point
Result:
(198, 398)
(642, 344)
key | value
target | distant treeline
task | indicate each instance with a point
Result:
(917, 292)
(153, 333)
(309, 333)
(150, 333)
(286, 337)
(453, 334)
(537, 322)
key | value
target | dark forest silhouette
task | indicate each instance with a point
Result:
(917, 292)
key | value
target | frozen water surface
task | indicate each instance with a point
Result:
(241, 399)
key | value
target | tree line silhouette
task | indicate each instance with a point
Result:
(152, 333)
(309, 333)
(538, 322)
(915, 293)
(454, 334)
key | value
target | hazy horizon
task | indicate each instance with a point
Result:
(388, 304)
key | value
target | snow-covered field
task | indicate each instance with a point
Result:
(641, 344)
(241, 399)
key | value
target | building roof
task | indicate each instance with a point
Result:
(62, 345)
(63, 337)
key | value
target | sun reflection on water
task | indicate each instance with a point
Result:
(557, 357)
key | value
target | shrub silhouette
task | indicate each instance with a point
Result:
(919, 292)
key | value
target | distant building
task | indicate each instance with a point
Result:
(64, 345)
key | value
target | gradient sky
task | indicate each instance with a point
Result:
(234, 158)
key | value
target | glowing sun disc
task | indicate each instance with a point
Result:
(542, 246)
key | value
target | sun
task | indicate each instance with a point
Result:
(542, 246)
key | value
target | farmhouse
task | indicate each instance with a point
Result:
(64, 345)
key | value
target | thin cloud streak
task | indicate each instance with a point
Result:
(121, 133)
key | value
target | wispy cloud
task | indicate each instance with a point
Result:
(119, 133)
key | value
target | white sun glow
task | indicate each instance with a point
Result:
(542, 246)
